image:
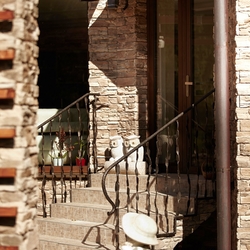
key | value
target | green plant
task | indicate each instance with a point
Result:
(82, 147)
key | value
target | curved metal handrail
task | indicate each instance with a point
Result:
(40, 128)
(142, 144)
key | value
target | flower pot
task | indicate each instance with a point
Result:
(58, 161)
(80, 162)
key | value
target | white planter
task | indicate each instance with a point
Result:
(58, 161)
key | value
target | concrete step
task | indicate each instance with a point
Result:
(59, 243)
(99, 214)
(96, 180)
(163, 202)
(82, 211)
(78, 230)
(170, 184)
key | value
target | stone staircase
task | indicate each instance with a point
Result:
(84, 223)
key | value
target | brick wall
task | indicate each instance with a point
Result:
(18, 151)
(117, 68)
(242, 166)
(233, 125)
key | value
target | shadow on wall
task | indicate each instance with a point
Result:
(118, 63)
(204, 237)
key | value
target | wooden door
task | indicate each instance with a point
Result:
(180, 72)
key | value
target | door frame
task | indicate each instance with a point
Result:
(184, 55)
(185, 62)
(151, 75)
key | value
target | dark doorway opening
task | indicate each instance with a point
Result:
(63, 52)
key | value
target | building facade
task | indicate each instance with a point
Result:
(134, 52)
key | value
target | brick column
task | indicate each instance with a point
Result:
(18, 106)
(117, 67)
(241, 167)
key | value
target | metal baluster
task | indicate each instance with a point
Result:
(137, 183)
(167, 159)
(208, 156)
(196, 153)
(178, 165)
(44, 203)
(147, 154)
(127, 186)
(188, 149)
(90, 126)
(158, 152)
(70, 148)
(62, 170)
(117, 204)
(42, 153)
(54, 198)
(79, 135)
(95, 135)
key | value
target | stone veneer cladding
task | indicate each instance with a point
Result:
(232, 78)
(117, 47)
(241, 201)
(20, 34)
(113, 45)
(118, 69)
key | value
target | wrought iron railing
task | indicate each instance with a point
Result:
(151, 207)
(64, 141)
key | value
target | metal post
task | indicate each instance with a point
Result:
(222, 126)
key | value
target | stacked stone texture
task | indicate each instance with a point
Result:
(242, 166)
(21, 73)
(118, 69)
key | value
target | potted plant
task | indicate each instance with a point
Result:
(81, 157)
(60, 148)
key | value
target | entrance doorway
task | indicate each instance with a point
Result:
(182, 71)
(63, 52)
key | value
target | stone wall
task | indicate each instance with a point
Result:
(242, 166)
(233, 125)
(18, 151)
(117, 69)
